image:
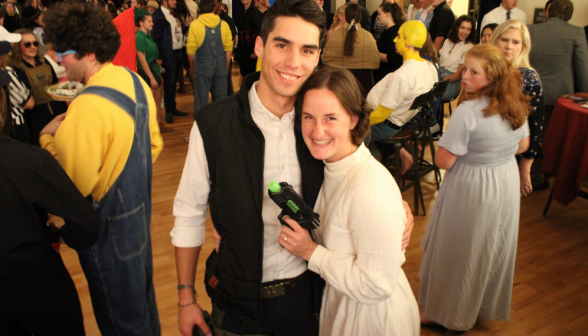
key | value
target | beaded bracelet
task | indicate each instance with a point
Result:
(182, 286)
(187, 304)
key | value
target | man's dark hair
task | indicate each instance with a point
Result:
(225, 8)
(307, 10)
(562, 9)
(547, 4)
(207, 6)
(454, 31)
(84, 28)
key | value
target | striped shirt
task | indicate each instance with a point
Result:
(19, 95)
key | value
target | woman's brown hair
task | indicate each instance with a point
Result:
(505, 89)
(396, 11)
(17, 55)
(428, 50)
(344, 85)
(352, 14)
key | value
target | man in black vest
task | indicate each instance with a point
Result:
(237, 146)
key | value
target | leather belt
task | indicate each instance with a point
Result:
(392, 125)
(282, 287)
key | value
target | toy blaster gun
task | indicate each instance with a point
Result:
(292, 205)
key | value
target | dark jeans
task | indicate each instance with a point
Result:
(287, 315)
(170, 79)
(41, 300)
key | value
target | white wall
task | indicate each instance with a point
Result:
(580, 17)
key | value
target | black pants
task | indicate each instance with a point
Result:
(40, 300)
(170, 78)
(536, 174)
(287, 315)
(247, 64)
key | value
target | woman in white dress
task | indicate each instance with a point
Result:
(362, 217)
(471, 239)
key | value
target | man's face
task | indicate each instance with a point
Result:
(425, 3)
(436, 3)
(288, 57)
(509, 4)
(171, 4)
(74, 68)
(134, 3)
(400, 42)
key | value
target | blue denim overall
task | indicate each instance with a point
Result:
(210, 68)
(119, 267)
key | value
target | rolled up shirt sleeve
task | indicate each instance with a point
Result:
(191, 202)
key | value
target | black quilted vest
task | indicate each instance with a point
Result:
(235, 148)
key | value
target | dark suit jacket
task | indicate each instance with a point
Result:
(560, 56)
(162, 37)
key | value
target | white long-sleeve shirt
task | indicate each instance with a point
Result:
(360, 256)
(281, 164)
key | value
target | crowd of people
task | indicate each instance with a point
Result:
(327, 89)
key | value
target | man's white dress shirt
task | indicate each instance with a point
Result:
(280, 164)
(176, 29)
(498, 15)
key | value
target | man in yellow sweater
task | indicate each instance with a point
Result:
(209, 48)
(106, 142)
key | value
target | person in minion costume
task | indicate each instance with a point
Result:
(392, 97)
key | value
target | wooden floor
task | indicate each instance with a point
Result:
(550, 295)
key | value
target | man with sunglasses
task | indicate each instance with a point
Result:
(106, 143)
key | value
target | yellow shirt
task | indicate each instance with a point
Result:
(197, 32)
(94, 141)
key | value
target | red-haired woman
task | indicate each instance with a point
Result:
(469, 255)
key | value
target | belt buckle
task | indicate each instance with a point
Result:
(273, 291)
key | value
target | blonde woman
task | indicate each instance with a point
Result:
(513, 39)
(338, 20)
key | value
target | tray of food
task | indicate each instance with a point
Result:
(65, 91)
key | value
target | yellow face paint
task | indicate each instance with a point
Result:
(406, 52)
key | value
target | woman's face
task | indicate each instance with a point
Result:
(34, 3)
(473, 77)
(39, 20)
(383, 17)
(147, 24)
(487, 35)
(326, 126)
(511, 44)
(27, 45)
(464, 30)
(10, 9)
